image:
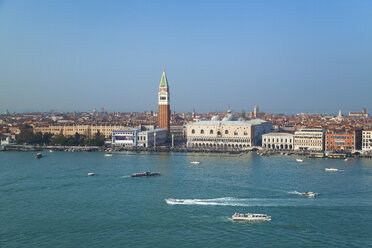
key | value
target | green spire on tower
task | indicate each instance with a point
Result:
(163, 81)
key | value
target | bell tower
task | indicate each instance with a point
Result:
(164, 103)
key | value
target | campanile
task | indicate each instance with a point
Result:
(164, 103)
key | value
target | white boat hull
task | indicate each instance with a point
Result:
(251, 219)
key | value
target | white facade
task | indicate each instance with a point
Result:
(278, 141)
(226, 134)
(151, 138)
(125, 137)
(309, 140)
(134, 137)
(367, 140)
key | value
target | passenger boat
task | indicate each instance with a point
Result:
(145, 174)
(309, 194)
(108, 154)
(195, 162)
(299, 160)
(250, 217)
(91, 174)
(331, 169)
(39, 155)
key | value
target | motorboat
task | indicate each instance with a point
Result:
(194, 162)
(39, 155)
(108, 154)
(250, 217)
(347, 159)
(299, 160)
(51, 150)
(309, 194)
(331, 169)
(91, 174)
(145, 174)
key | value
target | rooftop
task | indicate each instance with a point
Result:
(238, 123)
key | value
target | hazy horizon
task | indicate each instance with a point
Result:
(284, 56)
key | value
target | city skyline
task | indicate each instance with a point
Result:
(287, 57)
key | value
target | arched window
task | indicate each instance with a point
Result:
(211, 131)
(245, 133)
(235, 133)
(202, 131)
(218, 133)
(226, 131)
(193, 131)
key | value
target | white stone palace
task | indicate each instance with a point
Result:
(278, 141)
(226, 133)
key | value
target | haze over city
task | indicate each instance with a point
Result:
(285, 56)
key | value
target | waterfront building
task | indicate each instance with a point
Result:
(226, 133)
(151, 138)
(145, 136)
(367, 140)
(178, 133)
(164, 103)
(278, 141)
(125, 137)
(88, 130)
(309, 140)
(343, 139)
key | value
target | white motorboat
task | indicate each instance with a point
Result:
(108, 154)
(299, 160)
(331, 169)
(39, 155)
(91, 174)
(309, 194)
(347, 159)
(51, 151)
(194, 162)
(250, 217)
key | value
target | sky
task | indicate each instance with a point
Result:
(284, 56)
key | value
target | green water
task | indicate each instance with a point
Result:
(51, 202)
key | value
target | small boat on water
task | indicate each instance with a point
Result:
(331, 169)
(39, 155)
(91, 174)
(309, 194)
(250, 217)
(347, 159)
(51, 151)
(194, 162)
(299, 160)
(145, 174)
(108, 154)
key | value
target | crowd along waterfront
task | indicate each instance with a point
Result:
(52, 202)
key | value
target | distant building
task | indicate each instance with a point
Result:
(226, 133)
(309, 140)
(278, 141)
(255, 111)
(164, 103)
(362, 114)
(367, 140)
(7, 141)
(343, 140)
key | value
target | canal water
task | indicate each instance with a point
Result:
(51, 202)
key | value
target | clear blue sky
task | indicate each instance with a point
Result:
(285, 56)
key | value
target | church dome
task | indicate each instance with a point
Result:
(216, 118)
(227, 118)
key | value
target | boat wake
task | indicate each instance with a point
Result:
(294, 192)
(237, 202)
